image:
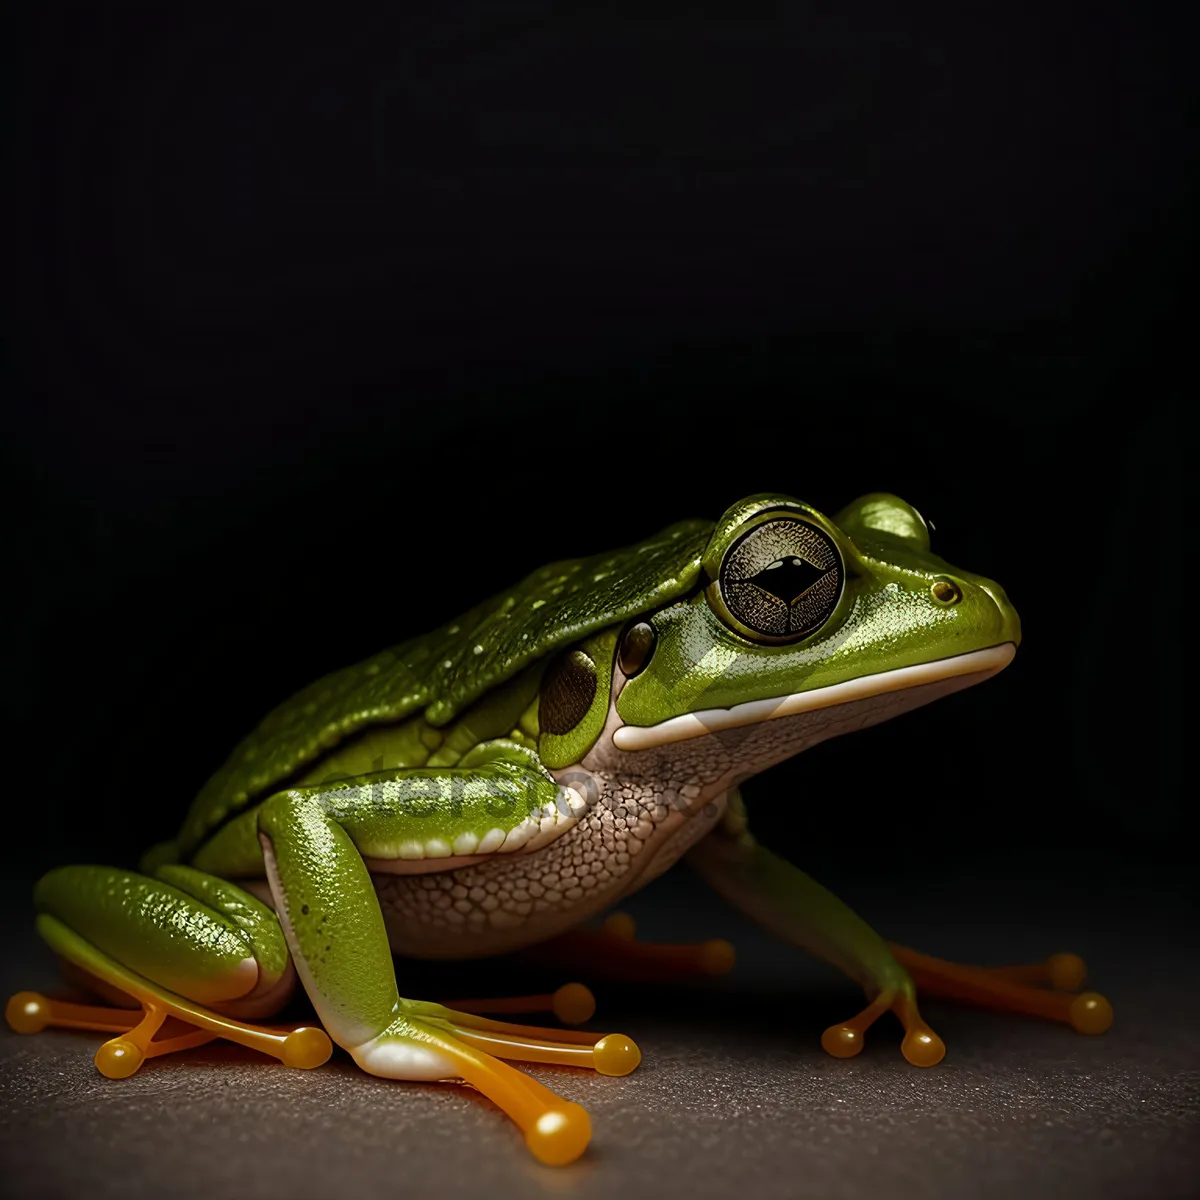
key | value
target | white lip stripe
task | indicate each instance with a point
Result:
(690, 725)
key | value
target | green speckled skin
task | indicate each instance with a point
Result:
(444, 671)
(155, 926)
(522, 767)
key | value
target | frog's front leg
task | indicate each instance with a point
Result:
(799, 910)
(314, 840)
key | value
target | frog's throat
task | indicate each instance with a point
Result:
(964, 669)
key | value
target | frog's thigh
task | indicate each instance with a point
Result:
(195, 935)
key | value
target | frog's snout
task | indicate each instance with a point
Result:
(1010, 622)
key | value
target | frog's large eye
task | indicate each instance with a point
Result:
(778, 581)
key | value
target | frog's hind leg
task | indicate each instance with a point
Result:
(331, 918)
(195, 952)
(1013, 989)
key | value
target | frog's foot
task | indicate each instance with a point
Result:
(1012, 989)
(193, 1024)
(430, 1041)
(613, 952)
(921, 1046)
(572, 1004)
(1064, 972)
(31, 1012)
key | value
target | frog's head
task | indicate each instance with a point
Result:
(799, 613)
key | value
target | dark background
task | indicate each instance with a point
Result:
(325, 323)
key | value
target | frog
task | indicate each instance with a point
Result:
(504, 781)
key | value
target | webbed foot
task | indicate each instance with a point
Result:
(1014, 989)
(921, 1046)
(430, 1041)
(303, 1046)
(1042, 990)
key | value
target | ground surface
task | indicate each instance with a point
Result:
(734, 1094)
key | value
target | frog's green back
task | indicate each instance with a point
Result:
(445, 671)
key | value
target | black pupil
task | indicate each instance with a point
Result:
(787, 578)
(781, 579)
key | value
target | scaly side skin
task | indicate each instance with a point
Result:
(520, 770)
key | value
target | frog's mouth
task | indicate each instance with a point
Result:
(961, 671)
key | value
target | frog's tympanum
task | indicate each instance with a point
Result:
(499, 782)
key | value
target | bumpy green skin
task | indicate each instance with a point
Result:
(444, 671)
(188, 931)
(437, 742)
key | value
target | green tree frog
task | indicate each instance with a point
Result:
(502, 780)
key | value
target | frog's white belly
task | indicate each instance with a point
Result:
(627, 837)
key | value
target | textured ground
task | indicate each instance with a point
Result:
(734, 1092)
